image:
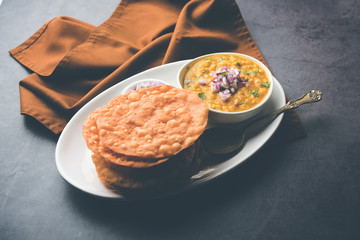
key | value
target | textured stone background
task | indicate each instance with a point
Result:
(307, 189)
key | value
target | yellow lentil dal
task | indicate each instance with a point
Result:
(206, 78)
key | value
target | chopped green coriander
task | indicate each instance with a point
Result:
(224, 73)
(221, 59)
(202, 95)
(188, 85)
(206, 71)
(207, 59)
(238, 63)
(255, 93)
(249, 72)
(267, 84)
(242, 103)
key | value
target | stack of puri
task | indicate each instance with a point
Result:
(146, 142)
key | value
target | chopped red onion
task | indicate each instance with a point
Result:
(224, 83)
(145, 84)
(215, 86)
(224, 95)
(202, 81)
(227, 81)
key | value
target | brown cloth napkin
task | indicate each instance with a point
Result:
(74, 61)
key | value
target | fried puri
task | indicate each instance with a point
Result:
(147, 138)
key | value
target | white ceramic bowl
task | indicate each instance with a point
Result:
(218, 116)
(144, 83)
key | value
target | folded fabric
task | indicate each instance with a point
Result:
(74, 61)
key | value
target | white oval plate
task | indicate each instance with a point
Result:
(73, 159)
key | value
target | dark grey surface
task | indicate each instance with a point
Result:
(307, 189)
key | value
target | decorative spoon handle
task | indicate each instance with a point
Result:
(309, 97)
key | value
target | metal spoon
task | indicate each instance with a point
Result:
(226, 139)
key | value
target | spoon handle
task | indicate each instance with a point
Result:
(309, 97)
